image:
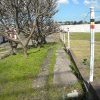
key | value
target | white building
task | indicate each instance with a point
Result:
(80, 28)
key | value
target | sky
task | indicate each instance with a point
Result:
(71, 10)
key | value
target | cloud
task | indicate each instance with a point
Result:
(63, 1)
(86, 2)
(94, 3)
(75, 1)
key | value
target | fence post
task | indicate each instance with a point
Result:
(92, 31)
(68, 39)
(64, 38)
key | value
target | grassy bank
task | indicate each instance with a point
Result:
(17, 73)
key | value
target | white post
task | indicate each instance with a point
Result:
(60, 35)
(64, 38)
(92, 27)
(68, 39)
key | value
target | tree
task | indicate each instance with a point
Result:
(29, 18)
(44, 21)
(80, 22)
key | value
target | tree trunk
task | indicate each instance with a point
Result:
(25, 51)
(13, 47)
(44, 40)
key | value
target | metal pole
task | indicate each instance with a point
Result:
(92, 27)
(68, 39)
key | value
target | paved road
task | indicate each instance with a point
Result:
(62, 72)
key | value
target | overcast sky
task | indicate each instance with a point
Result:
(76, 10)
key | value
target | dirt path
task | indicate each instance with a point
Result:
(62, 72)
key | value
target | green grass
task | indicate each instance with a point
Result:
(77, 85)
(84, 36)
(52, 64)
(2, 49)
(17, 74)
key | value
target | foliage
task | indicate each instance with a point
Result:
(73, 22)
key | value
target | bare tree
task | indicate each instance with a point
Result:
(29, 18)
(44, 21)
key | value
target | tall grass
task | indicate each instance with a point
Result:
(17, 74)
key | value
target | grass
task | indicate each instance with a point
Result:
(84, 36)
(17, 74)
(77, 85)
(57, 92)
(2, 49)
(51, 68)
(80, 44)
(81, 49)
